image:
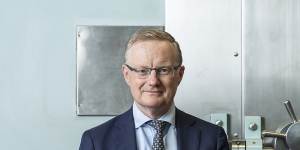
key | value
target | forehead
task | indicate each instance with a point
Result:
(152, 52)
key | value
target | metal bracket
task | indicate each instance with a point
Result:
(254, 144)
(253, 133)
(220, 119)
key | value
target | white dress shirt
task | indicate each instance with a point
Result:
(145, 133)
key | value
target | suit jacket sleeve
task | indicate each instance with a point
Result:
(86, 142)
(222, 141)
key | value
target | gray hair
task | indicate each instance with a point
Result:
(153, 34)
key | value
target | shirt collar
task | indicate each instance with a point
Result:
(140, 118)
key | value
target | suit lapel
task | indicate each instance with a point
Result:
(188, 135)
(124, 136)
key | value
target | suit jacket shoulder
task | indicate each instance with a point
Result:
(117, 133)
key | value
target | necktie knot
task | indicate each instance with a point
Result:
(158, 125)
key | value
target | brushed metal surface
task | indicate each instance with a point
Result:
(209, 33)
(271, 51)
(101, 89)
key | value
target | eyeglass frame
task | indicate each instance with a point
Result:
(149, 70)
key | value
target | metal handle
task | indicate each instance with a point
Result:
(272, 134)
(290, 110)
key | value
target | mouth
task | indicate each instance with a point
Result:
(154, 92)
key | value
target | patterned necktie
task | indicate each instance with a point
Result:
(159, 126)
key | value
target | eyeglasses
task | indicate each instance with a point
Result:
(145, 72)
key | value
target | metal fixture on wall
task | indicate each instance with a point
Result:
(289, 133)
(100, 55)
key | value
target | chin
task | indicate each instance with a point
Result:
(154, 102)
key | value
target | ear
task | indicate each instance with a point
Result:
(125, 72)
(181, 73)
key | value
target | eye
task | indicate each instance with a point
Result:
(164, 70)
(143, 71)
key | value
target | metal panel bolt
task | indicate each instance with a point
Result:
(235, 54)
(253, 126)
(219, 123)
(235, 135)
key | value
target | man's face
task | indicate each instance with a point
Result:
(154, 91)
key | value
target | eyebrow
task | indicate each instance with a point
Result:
(162, 66)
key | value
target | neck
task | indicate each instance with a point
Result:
(153, 113)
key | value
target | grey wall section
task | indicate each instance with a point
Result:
(38, 66)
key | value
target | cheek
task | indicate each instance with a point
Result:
(136, 86)
(171, 87)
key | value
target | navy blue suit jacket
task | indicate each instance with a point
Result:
(119, 134)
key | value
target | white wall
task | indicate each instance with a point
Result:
(38, 66)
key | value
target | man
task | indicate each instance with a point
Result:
(153, 70)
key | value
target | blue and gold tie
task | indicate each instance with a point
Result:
(159, 126)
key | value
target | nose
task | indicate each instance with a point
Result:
(153, 78)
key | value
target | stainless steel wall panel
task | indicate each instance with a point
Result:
(213, 34)
(101, 89)
(272, 59)
(209, 32)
